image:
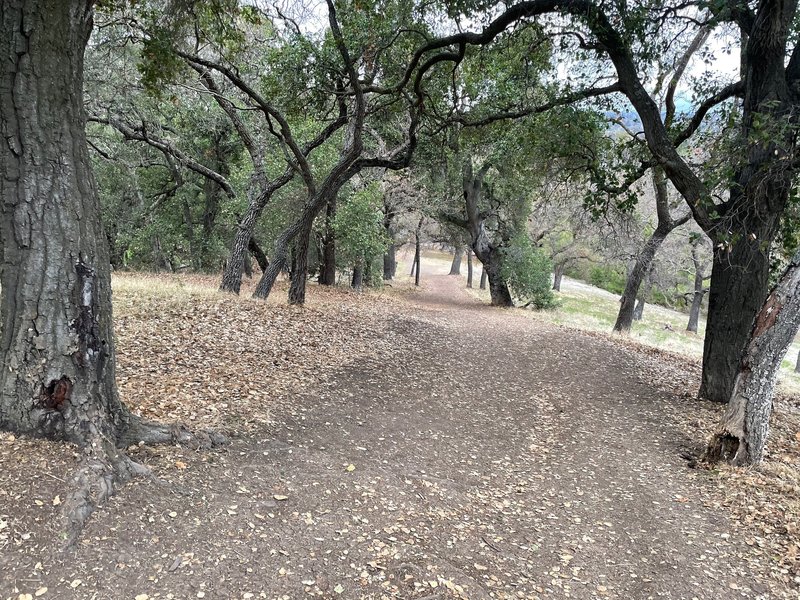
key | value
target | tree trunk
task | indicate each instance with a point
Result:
(327, 270)
(247, 264)
(558, 275)
(483, 278)
(638, 312)
(694, 310)
(739, 280)
(232, 275)
(487, 252)
(629, 309)
(258, 253)
(188, 222)
(797, 366)
(299, 275)
(56, 340)
(742, 434)
(455, 267)
(498, 288)
(417, 257)
(390, 262)
(699, 292)
(357, 282)
(469, 267)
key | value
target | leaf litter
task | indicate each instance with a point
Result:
(491, 457)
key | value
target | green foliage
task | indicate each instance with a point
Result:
(358, 227)
(527, 271)
(608, 278)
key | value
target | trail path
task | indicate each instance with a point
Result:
(497, 458)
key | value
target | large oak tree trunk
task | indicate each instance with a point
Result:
(57, 342)
(739, 280)
(742, 434)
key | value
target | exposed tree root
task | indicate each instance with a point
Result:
(105, 467)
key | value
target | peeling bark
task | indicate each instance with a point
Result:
(742, 434)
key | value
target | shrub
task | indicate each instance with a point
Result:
(528, 273)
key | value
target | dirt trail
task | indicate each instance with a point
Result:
(489, 456)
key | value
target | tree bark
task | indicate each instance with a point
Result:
(390, 262)
(742, 435)
(638, 312)
(558, 275)
(327, 270)
(488, 253)
(258, 253)
(739, 280)
(56, 341)
(699, 291)
(469, 267)
(357, 281)
(415, 268)
(455, 266)
(797, 366)
(483, 278)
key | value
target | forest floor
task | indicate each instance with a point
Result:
(411, 444)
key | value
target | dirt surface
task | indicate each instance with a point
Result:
(471, 453)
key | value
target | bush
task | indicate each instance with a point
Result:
(528, 273)
(607, 278)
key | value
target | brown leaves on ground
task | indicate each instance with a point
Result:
(211, 360)
(764, 501)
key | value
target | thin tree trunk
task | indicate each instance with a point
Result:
(455, 266)
(699, 292)
(357, 281)
(188, 223)
(327, 270)
(558, 275)
(415, 267)
(638, 312)
(742, 435)
(483, 278)
(629, 309)
(469, 267)
(797, 366)
(390, 262)
(258, 253)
